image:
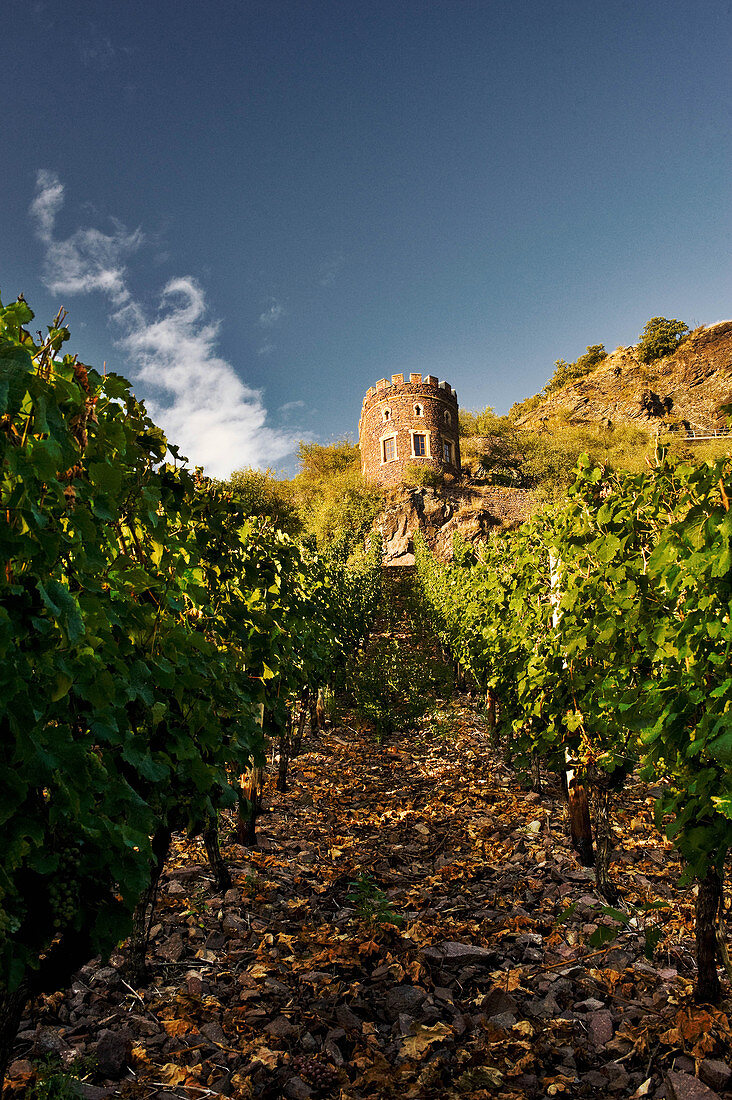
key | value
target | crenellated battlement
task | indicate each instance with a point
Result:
(385, 384)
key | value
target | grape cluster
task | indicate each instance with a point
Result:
(63, 890)
(322, 1076)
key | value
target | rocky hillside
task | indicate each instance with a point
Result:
(473, 509)
(685, 391)
(687, 387)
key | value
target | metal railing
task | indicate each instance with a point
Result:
(698, 434)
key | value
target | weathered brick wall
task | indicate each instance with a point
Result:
(399, 410)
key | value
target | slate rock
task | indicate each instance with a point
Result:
(194, 983)
(297, 1089)
(281, 1028)
(600, 1027)
(173, 948)
(403, 999)
(618, 1076)
(105, 975)
(113, 1052)
(309, 1043)
(214, 1033)
(94, 1092)
(47, 1040)
(21, 1065)
(232, 923)
(334, 1052)
(502, 1020)
(682, 1086)
(716, 1074)
(452, 954)
(347, 1019)
(175, 890)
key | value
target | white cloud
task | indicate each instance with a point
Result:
(290, 406)
(47, 203)
(197, 397)
(87, 260)
(274, 312)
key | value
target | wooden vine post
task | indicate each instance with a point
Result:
(250, 799)
(580, 827)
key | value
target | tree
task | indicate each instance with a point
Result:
(659, 338)
(262, 494)
(330, 494)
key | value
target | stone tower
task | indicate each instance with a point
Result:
(408, 423)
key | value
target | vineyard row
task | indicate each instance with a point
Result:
(600, 633)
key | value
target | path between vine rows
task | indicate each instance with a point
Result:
(442, 973)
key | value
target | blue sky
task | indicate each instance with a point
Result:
(257, 209)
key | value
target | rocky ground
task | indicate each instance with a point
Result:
(396, 934)
(413, 924)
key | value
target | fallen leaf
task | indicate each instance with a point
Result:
(172, 1074)
(415, 1045)
(177, 1027)
(268, 1058)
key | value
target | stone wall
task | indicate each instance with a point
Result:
(398, 419)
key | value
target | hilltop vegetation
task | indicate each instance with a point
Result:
(499, 451)
(327, 500)
(616, 407)
(672, 378)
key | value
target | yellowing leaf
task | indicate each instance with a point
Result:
(177, 1027)
(172, 1074)
(258, 971)
(268, 1058)
(415, 1045)
(523, 1027)
(513, 980)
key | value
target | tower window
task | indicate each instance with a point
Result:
(447, 452)
(388, 448)
(448, 417)
(386, 413)
(419, 444)
(418, 410)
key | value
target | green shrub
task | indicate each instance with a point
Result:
(390, 687)
(659, 338)
(371, 903)
(424, 477)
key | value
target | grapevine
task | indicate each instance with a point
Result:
(603, 628)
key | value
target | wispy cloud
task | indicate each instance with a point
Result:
(274, 312)
(290, 407)
(87, 260)
(196, 396)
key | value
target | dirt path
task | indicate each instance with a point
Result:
(396, 935)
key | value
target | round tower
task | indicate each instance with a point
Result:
(408, 423)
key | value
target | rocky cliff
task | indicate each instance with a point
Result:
(686, 388)
(471, 508)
